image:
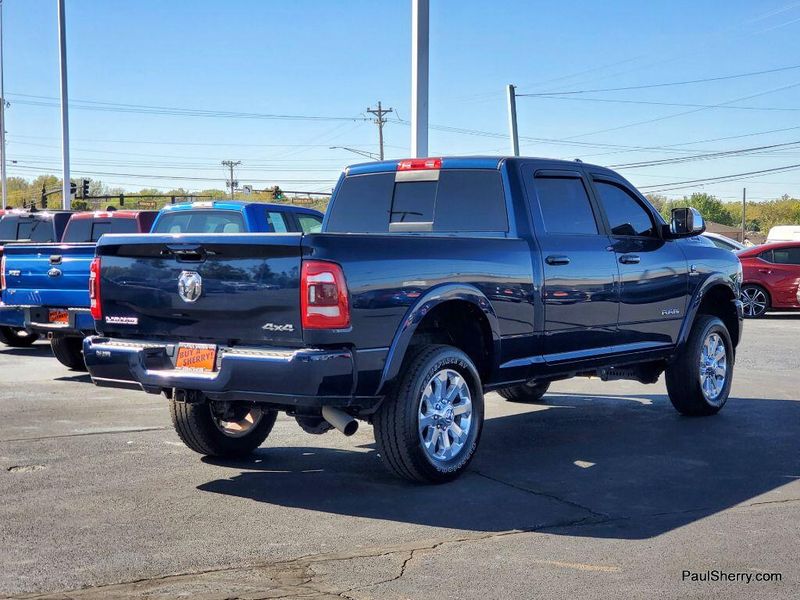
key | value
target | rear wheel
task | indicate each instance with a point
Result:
(699, 380)
(428, 429)
(69, 351)
(227, 430)
(17, 338)
(755, 301)
(524, 393)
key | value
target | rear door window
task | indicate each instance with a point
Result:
(565, 205)
(786, 256)
(200, 221)
(309, 223)
(277, 222)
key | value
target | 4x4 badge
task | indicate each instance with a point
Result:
(190, 286)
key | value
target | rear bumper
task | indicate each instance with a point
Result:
(283, 377)
(36, 319)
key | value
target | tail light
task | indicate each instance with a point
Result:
(419, 164)
(94, 290)
(323, 296)
(2, 273)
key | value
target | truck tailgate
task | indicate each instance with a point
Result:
(222, 288)
(48, 274)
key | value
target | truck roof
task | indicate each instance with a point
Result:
(458, 162)
(109, 214)
(236, 205)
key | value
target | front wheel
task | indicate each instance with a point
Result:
(17, 338)
(699, 381)
(68, 350)
(226, 430)
(428, 429)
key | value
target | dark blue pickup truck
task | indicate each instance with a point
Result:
(432, 281)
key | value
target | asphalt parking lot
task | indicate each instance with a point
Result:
(604, 491)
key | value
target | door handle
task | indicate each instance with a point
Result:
(629, 259)
(767, 271)
(556, 260)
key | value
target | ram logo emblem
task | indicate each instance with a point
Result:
(190, 286)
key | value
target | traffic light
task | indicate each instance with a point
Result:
(277, 193)
(73, 187)
(84, 188)
(44, 201)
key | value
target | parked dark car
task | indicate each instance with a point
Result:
(432, 281)
(771, 278)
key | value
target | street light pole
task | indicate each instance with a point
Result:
(62, 43)
(3, 187)
(420, 30)
(512, 120)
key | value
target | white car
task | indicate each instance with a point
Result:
(724, 242)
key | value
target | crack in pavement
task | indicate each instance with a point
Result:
(592, 512)
(84, 433)
(295, 578)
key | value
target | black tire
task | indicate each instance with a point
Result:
(749, 295)
(683, 376)
(397, 426)
(196, 426)
(68, 350)
(523, 393)
(17, 338)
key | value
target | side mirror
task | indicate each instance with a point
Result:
(686, 222)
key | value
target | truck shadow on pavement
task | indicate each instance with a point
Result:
(598, 466)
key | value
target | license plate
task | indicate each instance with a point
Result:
(196, 357)
(58, 316)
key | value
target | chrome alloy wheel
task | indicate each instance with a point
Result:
(713, 367)
(445, 415)
(239, 422)
(754, 301)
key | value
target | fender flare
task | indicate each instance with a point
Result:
(693, 306)
(417, 312)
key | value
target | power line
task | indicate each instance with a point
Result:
(660, 85)
(684, 113)
(722, 178)
(655, 103)
(173, 111)
(708, 156)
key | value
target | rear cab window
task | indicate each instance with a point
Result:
(446, 200)
(26, 228)
(90, 230)
(200, 221)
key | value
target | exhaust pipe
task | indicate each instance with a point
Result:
(340, 419)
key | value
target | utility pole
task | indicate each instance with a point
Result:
(744, 210)
(232, 182)
(379, 112)
(3, 188)
(420, 31)
(512, 119)
(62, 43)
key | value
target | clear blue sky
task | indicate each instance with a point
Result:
(336, 58)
